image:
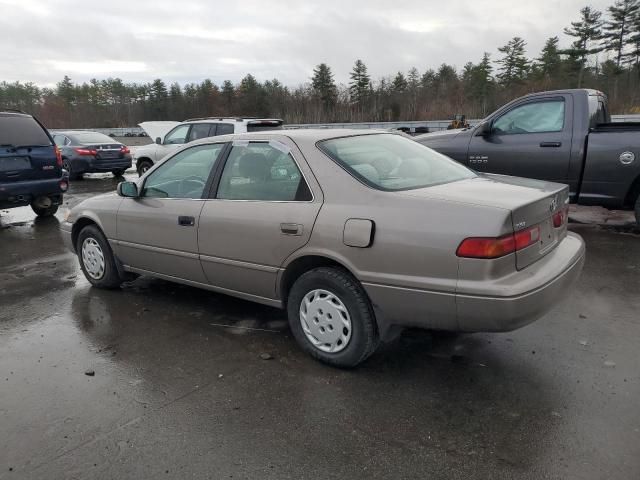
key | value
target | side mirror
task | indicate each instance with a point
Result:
(158, 141)
(484, 130)
(127, 189)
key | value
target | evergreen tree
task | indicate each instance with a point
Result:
(514, 65)
(632, 57)
(400, 83)
(360, 84)
(549, 61)
(228, 96)
(587, 33)
(324, 86)
(619, 27)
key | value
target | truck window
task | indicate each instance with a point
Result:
(535, 117)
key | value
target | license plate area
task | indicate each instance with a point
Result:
(548, 237)
(14, 164)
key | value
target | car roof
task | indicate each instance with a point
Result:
(9, 112)
(241, 120)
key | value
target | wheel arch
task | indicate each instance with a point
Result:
(79, 224)
(633, 193)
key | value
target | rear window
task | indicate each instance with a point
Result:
(392, 162)
(598, 112)
(264, 125)
(92, 137)
(17, 130)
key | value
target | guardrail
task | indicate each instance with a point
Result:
(411, 126)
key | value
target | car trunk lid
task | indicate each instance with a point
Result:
(534, 206)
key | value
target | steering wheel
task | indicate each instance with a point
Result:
(192, 179)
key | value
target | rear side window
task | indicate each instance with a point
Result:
(392, 162)
(264, 125)
(200, 130)
(19, 130)
(260, 171)
(224, 129)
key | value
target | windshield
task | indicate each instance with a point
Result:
(392, 162)
(92, 137)
(19, 130)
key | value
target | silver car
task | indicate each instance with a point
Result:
(354, 233)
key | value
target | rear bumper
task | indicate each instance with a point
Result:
(94, 165)
(507, 303)
(17, 194)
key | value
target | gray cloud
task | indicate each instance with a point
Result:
(192, 40)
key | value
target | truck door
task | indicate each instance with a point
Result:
(531, 139)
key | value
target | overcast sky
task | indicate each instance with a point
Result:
(189, 40)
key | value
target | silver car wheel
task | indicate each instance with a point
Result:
(93, 258)
(325, 321)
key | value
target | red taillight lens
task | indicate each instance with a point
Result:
(561, 217)
(86, 151)
(64, 185)
(58, 157)
(124, 149)
(482, 247)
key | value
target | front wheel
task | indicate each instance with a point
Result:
(96, 258)
(143, 166)
(45, 211)
(331, 317)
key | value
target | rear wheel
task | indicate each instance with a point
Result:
(118, 172)
(72, 175)
(96, 258)
(44, 211)
(144, 165)
(637, 210)
(331, 317)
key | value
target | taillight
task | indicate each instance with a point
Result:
(124, 149)
(487, 247)
(561, 217)
(86, 151)
(64, 185)
(58, 157)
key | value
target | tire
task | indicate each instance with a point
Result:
(67, 166)
(352, 307)
(637, 210)
(143, 165)
(98, 254)
(118, 172)
(45, 212)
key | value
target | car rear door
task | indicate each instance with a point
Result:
(158, 231)
(264, 210)
(531, 139)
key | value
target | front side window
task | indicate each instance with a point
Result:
(538, 117)
(392, 162)
(262, 171)
(177, 136)
(184, 175)
(200, 130)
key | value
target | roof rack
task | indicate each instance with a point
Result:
(12, 110)
(237, 119)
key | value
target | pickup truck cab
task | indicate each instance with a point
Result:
(562, 136)
(168, 136)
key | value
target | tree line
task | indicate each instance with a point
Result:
(603, 53)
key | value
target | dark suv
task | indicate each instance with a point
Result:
(30, 165)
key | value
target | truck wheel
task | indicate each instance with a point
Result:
(96, 258)
(143, 166)
(637, 210)
(331, 317)
(45, 212)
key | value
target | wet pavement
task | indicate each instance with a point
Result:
(180, 389)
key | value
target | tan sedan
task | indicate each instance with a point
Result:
(354, 233)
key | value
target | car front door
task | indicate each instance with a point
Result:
(158, 231)
(532, 139)
(264, 210)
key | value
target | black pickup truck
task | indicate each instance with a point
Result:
(564, 136)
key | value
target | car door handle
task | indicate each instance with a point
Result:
(291, 228)
(551, 144)
(185, 221)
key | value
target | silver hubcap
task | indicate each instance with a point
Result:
(93, 258)
(325, 321)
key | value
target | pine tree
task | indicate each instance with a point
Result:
(549, 61)
(400, 83)
(632, 57)
(514, 65)
(228, 95)
(360, 85)
(324, 86)
(587, 32)
(618, 28)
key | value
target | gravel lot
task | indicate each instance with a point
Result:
(159, 380)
